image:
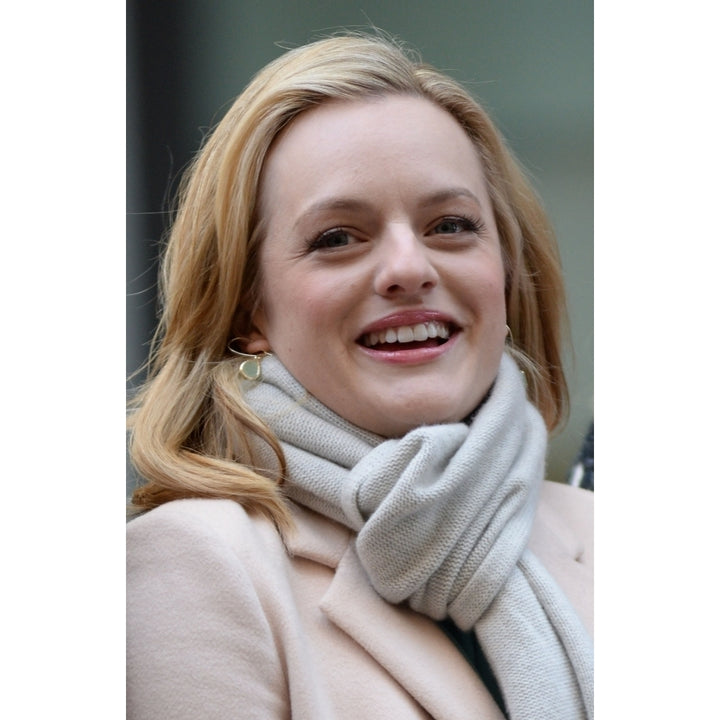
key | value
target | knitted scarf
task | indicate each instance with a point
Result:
(443, 516)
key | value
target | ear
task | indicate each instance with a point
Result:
(257, 342)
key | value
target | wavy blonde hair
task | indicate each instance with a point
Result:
(191, 432)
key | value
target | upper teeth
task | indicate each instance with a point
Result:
(408, 333)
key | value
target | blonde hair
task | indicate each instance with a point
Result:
(191, 431)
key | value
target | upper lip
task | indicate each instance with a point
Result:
(408, 317)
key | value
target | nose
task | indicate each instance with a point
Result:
(404, 265)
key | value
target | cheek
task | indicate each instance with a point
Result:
(496, 291)
(494, 281)
(295, 307)
(484, 286)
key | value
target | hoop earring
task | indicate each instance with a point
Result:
(251, 367)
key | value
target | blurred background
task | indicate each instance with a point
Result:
(529, 62)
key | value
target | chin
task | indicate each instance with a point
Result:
(397, 424)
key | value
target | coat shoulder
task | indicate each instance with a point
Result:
(572, 510)
(562, 539)
(198, 613)
(203, 519)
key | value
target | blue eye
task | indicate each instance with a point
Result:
(331, 239)
(454, 225)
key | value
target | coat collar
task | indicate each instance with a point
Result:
(441, 681)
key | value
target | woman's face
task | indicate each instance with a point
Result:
(382, 276)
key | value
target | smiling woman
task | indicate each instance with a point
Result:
(366, 507)
(393, 198)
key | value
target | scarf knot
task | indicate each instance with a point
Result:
(443, 516)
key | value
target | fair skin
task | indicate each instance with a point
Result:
(382, 276)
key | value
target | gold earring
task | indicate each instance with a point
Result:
(251, 367)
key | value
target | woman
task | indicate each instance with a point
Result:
(344, 460)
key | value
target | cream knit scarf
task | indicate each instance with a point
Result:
(443, 517)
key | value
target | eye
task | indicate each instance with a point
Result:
(455, 225)
(331, 239)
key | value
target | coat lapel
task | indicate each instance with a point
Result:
(409, 646)
(441, 680)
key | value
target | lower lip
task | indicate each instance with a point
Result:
(411, 356)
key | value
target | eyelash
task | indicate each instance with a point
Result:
(466, 224)
(317, 243)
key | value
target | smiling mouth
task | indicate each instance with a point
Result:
(428, 333)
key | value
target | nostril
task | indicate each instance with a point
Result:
(402, 270)
(399, 289)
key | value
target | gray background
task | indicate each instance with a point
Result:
(529, 62)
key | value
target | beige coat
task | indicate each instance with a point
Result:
(226, 622)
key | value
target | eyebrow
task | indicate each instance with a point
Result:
(451, 193)
(356, 204)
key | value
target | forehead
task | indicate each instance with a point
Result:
(370, 144)
(370, 118)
